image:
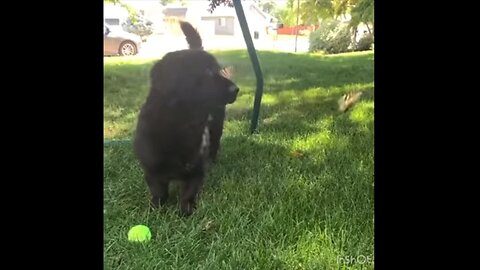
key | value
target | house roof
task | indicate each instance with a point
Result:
(175, 12)
(258, 11)
(200, 9)
(220, 11)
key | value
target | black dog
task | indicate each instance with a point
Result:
(181, 123)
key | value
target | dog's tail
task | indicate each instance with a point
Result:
(193, 38)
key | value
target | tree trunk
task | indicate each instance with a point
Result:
(298, 15)
(369, 31)
(355, 38)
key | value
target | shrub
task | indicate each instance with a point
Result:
(365, 43)
(340, 41)
(332, 37)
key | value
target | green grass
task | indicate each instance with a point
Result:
(261, 208)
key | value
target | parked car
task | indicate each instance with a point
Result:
(119, 42)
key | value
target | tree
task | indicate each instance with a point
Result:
(312, 11)
(286, 16)
(215, 3)
(166, 2)
(267, 6)
(362, 12)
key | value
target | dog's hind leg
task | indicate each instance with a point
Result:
(158, 185)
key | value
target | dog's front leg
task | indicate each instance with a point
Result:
(190, 190)
(216, 130)
(158, 185)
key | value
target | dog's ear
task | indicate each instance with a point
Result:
(227, 72)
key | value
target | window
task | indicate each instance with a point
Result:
(112, 21)
(222, 22)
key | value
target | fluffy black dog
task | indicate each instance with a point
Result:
(181, 123)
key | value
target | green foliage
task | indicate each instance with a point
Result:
(268, 6)
(362, 12)
(215, 3)
(286, 16)
(166, 2)
(341, 40)
(365, 43)
(313, 11)
(319, 38)
(332, 37)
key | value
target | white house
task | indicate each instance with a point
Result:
(222, 21)
(114, 15)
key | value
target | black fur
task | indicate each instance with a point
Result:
(185, 106)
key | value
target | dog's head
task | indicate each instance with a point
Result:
(217, 88)
(193, 78)
(211, 85)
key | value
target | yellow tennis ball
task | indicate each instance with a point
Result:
(139, 233)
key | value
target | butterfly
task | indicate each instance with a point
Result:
(348, 100)
(227, 72)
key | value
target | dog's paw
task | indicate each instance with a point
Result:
(156, 203)
(186, 209)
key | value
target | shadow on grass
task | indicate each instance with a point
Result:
(302, 71)
(328, 188)
(287, 76)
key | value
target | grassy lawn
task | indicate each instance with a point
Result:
(261, 207)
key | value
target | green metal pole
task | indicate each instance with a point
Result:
(255, 63)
